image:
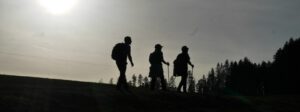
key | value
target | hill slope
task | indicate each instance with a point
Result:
(26, 94)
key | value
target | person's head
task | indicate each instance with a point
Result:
(127, 40)
(158, 47)
(184, 49)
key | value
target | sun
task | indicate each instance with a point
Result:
(58, 6)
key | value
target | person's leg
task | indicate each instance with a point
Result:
(180, 84)
(163, 83)
(119, 79)
(152, 84)
(184, 79)
(122, 78)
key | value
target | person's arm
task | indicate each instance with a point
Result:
(167, 63)
(163, 60)
(129, 57)
(189, 62)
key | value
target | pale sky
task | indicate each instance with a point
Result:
(77, 44)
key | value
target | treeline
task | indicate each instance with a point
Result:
(136, 81)
(141, 81)
(144, 82)
(245, 77)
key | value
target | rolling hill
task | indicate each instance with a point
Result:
(28, 94)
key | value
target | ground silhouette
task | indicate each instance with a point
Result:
(27, 94)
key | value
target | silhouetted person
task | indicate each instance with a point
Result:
(156, 70)
(120, 53)
(181, 67)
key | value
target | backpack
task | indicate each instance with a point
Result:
(151, 58)
(176, 67)
(118, 49)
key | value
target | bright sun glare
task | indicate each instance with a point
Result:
(58, 6)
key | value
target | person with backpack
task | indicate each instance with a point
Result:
(181, 67)
(120, 53)
(156, 70)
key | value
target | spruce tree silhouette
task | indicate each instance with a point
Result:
(265, 78)
(286, 68)
(140, 80)
(191, 82)
(211, 81)
(134, 80)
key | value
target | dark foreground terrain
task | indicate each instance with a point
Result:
(25, 94)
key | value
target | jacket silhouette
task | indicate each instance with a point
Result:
(156, 70)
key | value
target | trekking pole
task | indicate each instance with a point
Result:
(192, 71)
(168, 74)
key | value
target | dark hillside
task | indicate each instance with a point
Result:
(26, 94)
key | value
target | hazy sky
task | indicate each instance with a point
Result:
(77, 44)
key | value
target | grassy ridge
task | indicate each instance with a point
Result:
(26, 94)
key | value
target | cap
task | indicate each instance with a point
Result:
(184, 48)
(158, 46)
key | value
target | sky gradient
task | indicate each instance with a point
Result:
(77, 45)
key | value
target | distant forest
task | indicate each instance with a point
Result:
(244, 77)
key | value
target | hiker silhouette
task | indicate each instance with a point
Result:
(156, 70)
(120, 53)
(181, 67)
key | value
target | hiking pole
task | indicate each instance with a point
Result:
(168, 74)
(192, 71)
